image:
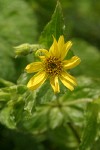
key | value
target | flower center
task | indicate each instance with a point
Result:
(53, 66)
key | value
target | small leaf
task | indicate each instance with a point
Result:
(90, 130)
(55, 117)
(24, 78)
(55, 27)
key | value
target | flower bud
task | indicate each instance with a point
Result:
(25, 49)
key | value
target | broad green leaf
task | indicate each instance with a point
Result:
(74, 103)
(55, 27)
(88, 88)
(43, 118)
(91, 126)
(90, 59)
(36, 122)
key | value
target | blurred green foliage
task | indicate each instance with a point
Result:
(17, 25)
(41, 120)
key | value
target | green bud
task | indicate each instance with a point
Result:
(25, 49)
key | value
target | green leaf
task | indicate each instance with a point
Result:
(56, 117)
(91, 126)
(90, 59)
(15, 103)
(74, 103)
(36, 122)
(88, 88)
(24, 78)
(43, 118)
(45, 94)
(55, 27)
(7, 117)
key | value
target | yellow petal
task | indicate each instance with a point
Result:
(61, 42)
(60, 45)
(54, 49)
(55, 84)
(66, 83)
(37, 80)
(34, 67)
(71, 63)
(69, 78)
(65, 49)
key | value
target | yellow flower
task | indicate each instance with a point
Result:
(53, 66)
